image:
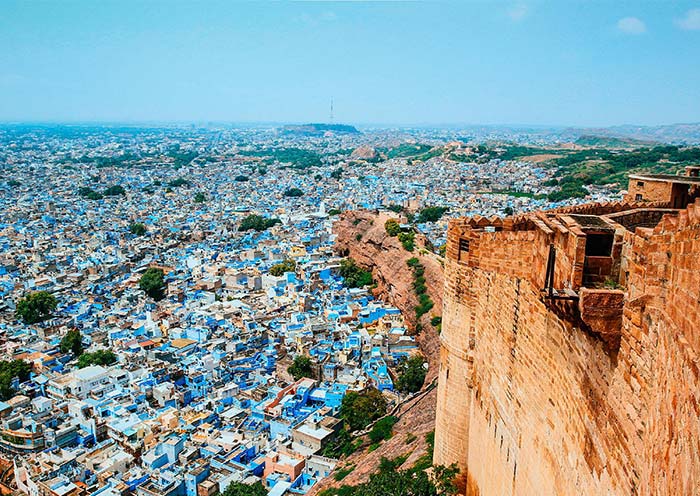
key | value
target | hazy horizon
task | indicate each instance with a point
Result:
(424, 64)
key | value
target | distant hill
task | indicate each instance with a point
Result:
(317, 129)
(612, 141)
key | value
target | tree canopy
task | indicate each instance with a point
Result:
(360, 409)
(354, 276)
(8, 371)
(99, 357)
(241, 489)
(153, 283)
(301, 367)
(72, 342)
(282, 267)
(36, 307)
(137, 228)
(411, 374)
(257, 223)
(294, 192)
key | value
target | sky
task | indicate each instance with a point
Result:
(564, 62)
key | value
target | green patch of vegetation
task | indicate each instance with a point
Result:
(334, 211)
(9, 369)
(407, 150)
(411, 374)
(301, 367)
(431, 214)
(180, 181)
(382, 430)
(436, 321)
(99, 357)
(241, 178)
(395, 208)
(361, 409)
(200, 197)
(296, 158)
(36, 307)
(407, 240)
(152, 282)
(390, 480)
(257, 223)
(425, 302)
(392, 227)
(282, 267)
(115, 190)
(72, 342)
(410, 437)
(89, 193)
(137, 229)
(343, 472)
(13, 183)
(354, 276)
(342, 444)
(337, 173)
(241, 489)
(294, 192)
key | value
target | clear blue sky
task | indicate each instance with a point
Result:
(569, 62)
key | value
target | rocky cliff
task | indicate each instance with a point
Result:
(361, 236)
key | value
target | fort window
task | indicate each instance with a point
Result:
(640, 184)
(638, 197)
(599, 245)
(463, 247)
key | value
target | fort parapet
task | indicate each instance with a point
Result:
(570, 348)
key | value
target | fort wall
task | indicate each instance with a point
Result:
(596, 394)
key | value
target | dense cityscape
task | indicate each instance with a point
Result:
(198, 328)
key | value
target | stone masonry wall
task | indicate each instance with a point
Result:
(529, 403)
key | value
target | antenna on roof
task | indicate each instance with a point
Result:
(331, 110)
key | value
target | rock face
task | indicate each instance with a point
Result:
(364, 152)
(386, 258)
(589, 391)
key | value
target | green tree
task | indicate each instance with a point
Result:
(13, 183)
(294, 192)
(241, 489)
(8, 371)
(411, 374)
(72, 342)
(180, 181)
(153, 283)
(361, 409)
(89, 193)
(36, 307)
(257, 223)
(301, 367)
(354, 276)
(115, 190)
(337, 173)
(137, 228)
(334, 211)
(382, 430)
(431, 214)
(241, 178)
(99, 357)
(282, 267)
(200, 197)
(392, 227)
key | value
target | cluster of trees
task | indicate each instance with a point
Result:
(431, 214)
(294, 192)
(411, 374)
(392, 227)
(257, 223)
(241, 489)
(241, 178)
(137, 228)
(337, 173)
(176, 183)
(408, 240)
(282, 267)
(425, 303)
(152, 282)
(200, 197)
(72, 342)
(9, 370)
(99, 357)
(354, 276)
(390, 480)
(297, 158)
(302, 366)
(361, 409)
(36, 307)
(91, 194)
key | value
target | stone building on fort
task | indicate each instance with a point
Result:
(570, 347)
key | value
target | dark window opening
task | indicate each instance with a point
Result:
(638, 197)
(463, 246)
(599, 245)
(640, 184)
